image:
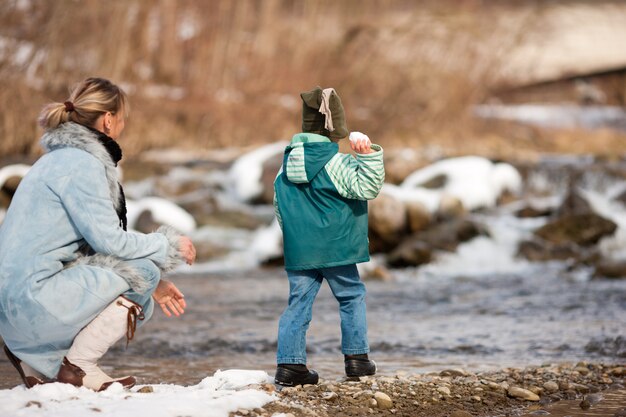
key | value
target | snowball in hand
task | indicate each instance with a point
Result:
(356, 137)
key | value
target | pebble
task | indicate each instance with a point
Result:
(382, 400)
(453, 372)
(330, 396)
(146, 390)
(551, 386)
(472, 394)
(494, 386)
(583, 370)
(289, 390)
(583, 389)
(269, 387)
(460, 413)
(522, 393)
(585, 404)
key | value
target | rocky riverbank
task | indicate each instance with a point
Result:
(450, 393)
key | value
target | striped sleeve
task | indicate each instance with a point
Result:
(296, 171)
(275, 201)
(359, 178)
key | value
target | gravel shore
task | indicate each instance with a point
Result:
(450, 393)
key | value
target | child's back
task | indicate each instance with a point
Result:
(320, 201)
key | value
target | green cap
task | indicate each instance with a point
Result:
(314, 121)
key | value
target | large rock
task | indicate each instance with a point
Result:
(387, 222)
(450, 207)
(412, 252)
(7, 190)
(207, 210)
(418, 248)
(10, 185)
(418, 216)
(529, 211)
(207, 250)
(145, 222)
(5, 200)
(447, 235)
(573, 203)
(399, 164)
(582, 229)
(608, 268)
(538, 250)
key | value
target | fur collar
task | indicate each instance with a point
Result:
(74, 135)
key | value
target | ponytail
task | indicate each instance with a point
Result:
(52, 115)
(87, 102)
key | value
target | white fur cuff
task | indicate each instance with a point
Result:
(174, 257)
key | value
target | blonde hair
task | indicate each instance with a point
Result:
(88, 100)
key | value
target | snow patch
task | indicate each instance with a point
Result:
(162, 211)
(475, 181)
(216, 396)
(245, 174)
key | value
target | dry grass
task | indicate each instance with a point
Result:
(219, 73)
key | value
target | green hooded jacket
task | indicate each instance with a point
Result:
(320, 201)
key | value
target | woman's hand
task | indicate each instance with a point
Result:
(169, 298)
(187, 250)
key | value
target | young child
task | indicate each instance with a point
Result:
(320, 199)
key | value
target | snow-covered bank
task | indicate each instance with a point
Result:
(565, 115)
(214, 396)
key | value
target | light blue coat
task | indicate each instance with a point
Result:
(48, 291)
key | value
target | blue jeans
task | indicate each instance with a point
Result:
(349, 291)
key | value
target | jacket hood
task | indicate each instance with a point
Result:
(74, 135)
(306, 156)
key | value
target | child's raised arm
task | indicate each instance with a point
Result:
(360, 177)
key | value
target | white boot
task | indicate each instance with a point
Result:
(93, 341)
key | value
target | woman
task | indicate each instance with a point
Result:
(73, 281)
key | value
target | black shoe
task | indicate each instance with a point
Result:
(289, 375)
(359, 365)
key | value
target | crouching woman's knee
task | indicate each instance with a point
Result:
(143, 277)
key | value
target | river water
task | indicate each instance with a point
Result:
(415, 323)
(418, 322)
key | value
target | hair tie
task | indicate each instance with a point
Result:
(69, 106)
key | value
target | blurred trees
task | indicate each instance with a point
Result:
(221, 72)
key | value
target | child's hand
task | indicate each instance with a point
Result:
(360, 143)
